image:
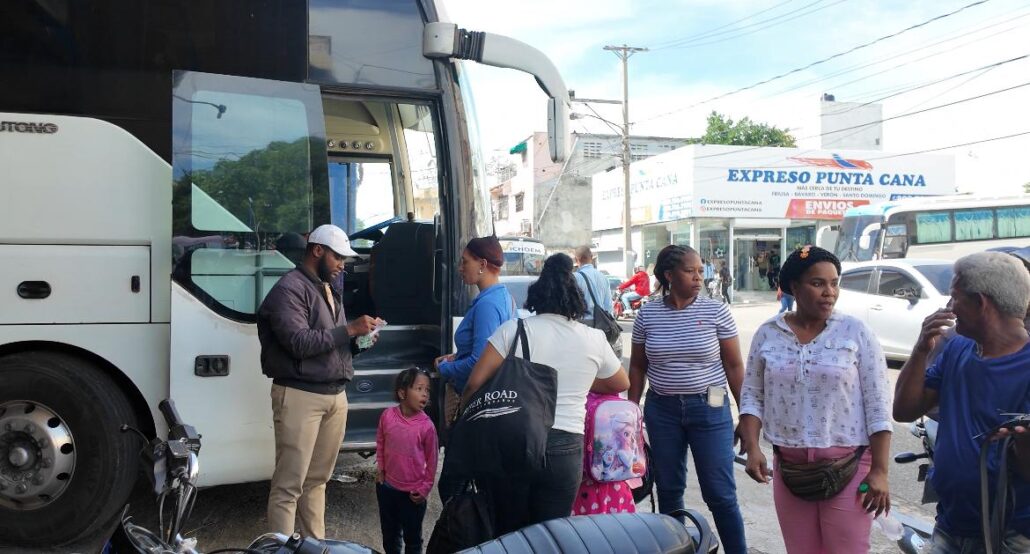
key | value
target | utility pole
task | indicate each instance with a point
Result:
(624, 52)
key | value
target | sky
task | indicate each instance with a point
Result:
(703, 49)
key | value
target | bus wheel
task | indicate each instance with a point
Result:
(65, 466)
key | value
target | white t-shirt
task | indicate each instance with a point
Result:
(577, 353)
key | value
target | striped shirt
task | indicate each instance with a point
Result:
(682, 346)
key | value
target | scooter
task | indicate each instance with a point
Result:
(916, 534)
(634, 305)
(172, 467)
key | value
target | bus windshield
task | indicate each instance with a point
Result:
(849, 242)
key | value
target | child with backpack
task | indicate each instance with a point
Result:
(613, 456)
(406, 455)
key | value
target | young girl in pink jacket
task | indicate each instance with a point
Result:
(406, 452)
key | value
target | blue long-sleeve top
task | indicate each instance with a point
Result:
(488, 311)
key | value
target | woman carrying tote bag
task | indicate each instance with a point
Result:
(583, 362)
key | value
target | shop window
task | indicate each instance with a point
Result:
(519, 201)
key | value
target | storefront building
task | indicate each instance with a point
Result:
(748, 206)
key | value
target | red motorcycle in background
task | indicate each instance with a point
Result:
(634, 306)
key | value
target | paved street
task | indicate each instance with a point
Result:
(231, 516)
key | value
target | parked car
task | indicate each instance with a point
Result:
(614, 282)
(518, 287)
(894, 297)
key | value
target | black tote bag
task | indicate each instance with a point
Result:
(502, 431)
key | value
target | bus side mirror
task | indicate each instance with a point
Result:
(446, 40)
(864, 242)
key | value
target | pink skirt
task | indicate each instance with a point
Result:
(603, 498)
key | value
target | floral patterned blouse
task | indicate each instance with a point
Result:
(832, 391)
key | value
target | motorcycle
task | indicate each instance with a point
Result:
(172, 467)
(917, 534)
(620, 310)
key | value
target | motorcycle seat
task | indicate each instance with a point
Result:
(596, 534)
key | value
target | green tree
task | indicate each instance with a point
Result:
(723, 130)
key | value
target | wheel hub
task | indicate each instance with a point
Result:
(37, 455)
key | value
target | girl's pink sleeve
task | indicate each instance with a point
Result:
(381, 443)
(430, 447)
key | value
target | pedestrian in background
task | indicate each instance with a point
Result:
(641, 287)
(786, 299)
(708, 276)
(817, 388)
(406, 453)
(307, 347)
(686, 347)
(726, 280)
(586, 272)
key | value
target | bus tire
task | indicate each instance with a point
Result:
(53, 407)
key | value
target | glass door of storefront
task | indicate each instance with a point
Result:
(756, 259)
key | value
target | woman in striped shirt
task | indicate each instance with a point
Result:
(686, 347)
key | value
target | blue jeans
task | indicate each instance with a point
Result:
(674, 424)
(628, 297)
(786, 303)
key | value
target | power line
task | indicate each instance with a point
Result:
(710, 31)
(1005, 19)
(822, 61)
(992, 139)
(899, 116)
(924, 110)
(931, 83)
(772, 23)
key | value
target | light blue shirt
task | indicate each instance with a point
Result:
(488, 311)
(709, 272)
(602, 292)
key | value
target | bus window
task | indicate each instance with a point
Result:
(361, 194)
(974, 224)
(933, 227)
(1014, 222)
(247, 155)
(895, 241)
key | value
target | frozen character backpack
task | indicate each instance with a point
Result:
(615, 441)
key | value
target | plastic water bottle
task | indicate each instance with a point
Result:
(890, 527)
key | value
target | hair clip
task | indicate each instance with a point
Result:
(804, 251)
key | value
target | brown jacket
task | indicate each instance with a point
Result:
(302, 344)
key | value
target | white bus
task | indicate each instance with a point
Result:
(522, 255)
(943, 227)
(162, 161)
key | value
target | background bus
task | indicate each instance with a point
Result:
(944, 227)
(159, 179)
(522, 255)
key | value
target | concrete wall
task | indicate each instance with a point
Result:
(837, 116)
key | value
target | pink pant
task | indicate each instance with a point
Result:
(836, 526)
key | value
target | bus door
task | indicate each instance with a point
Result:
(248, 157)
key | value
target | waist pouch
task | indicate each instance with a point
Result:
(822, 480)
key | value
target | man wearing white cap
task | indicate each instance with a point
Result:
(307, 346)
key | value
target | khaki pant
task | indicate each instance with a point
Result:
(309, 428)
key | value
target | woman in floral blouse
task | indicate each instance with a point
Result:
(816, 386)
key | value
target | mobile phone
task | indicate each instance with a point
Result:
(716, 396)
